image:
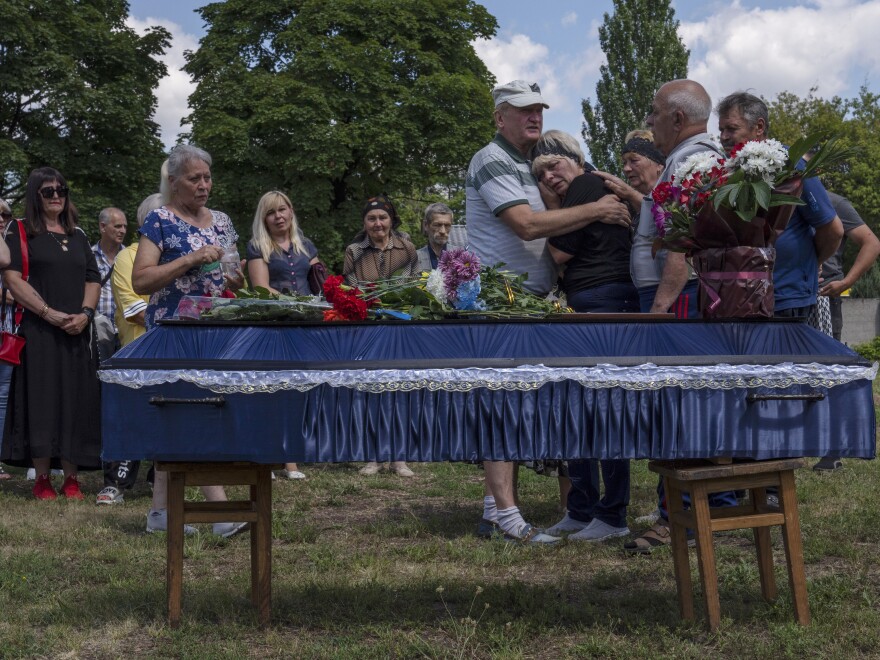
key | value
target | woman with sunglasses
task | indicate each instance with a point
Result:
(54, 409)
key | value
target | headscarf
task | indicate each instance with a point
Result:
(643, 147)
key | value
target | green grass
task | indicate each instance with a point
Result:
(379, 567)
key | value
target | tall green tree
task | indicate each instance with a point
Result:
(857, 122)
(334, 101)
(76, 93)
(643, 50)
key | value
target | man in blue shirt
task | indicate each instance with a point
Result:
(813, 233)
(814, 230)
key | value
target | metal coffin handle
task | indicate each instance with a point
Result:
(216, 401)
(810, 396)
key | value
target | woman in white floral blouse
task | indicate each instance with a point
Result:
(181, 245)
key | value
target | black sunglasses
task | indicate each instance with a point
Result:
(49, 192)
(5, 215)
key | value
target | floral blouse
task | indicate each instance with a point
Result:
(176, 238)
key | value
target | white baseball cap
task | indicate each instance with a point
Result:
(518, 93)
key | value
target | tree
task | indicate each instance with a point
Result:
(857, 122)
(76, 93)
(334, 101)
(641, 43)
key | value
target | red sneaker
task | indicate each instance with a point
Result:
(70, 488)
(43, 488)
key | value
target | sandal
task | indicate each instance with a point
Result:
(656, 536)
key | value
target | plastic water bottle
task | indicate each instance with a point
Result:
(230, 263)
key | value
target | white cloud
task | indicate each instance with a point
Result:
(828, 44)
(518, 57)
(173, 92)
(569, 19)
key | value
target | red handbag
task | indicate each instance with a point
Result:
(12, 343)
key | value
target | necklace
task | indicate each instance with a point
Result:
(62, 243)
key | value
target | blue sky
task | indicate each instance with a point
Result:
(767, 47)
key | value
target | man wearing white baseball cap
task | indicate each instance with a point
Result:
(508, 222)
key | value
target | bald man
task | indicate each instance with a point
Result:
(679, 118)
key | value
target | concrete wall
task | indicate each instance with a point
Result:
(861, 320)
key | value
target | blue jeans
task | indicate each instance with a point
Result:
(584, 502)
(685, 307)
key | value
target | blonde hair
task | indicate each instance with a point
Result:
(261, 238)
(149, 204)
(643, 133)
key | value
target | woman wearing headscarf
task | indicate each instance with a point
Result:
(379, 251)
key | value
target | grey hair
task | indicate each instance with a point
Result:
(559, 144)
(150, 204)
(750, 107)
(106, 215)
(438, 208)
(695, 106)
(177, 161)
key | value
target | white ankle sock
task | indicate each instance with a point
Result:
(490, 511)
(511, 520)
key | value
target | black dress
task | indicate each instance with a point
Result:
(54, 406)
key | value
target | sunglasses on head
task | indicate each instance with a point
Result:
(49, 192)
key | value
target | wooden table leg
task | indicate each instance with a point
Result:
(680, 562)
(261, 547)
(794, 550)
(763, 549)
(174, 568)
(706, 552)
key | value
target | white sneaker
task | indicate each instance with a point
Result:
(598, 531)
(157, 521)
(228, 530)
(566, 525)
(369, 469)
(294, 474)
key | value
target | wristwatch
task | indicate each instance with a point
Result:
(89, 312)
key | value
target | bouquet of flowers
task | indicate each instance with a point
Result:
(458, 287)
(745, 199)
(727, 213)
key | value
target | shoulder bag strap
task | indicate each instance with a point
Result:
(107, 276)
(25, 271)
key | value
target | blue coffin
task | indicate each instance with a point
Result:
(464, 391)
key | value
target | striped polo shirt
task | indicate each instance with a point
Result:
(498, 178)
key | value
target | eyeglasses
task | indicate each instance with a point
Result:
(6, 215)
(49, 192)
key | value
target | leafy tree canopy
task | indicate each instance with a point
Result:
(76, 93)
(334, 101)
(857, 121)
(641, 44)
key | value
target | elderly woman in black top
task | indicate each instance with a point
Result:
(596, 279)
